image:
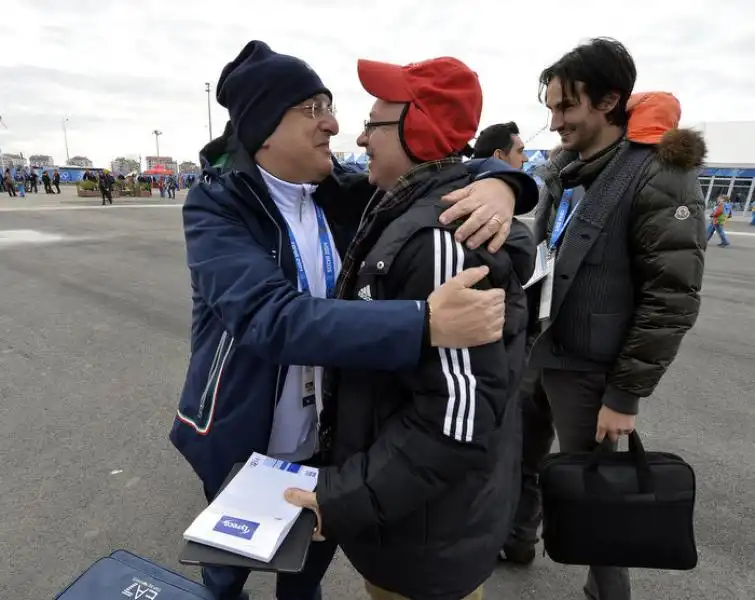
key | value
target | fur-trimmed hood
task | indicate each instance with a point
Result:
(682, 148)
(654, 119)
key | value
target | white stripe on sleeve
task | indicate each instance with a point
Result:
(455, 362)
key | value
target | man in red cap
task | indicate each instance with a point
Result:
(425, 462)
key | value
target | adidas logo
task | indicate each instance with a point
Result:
(365, 293)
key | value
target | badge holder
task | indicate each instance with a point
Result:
(563, 217)
(541, 264)
(309, 396)
(546, 292)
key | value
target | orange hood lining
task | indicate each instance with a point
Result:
(651, 115)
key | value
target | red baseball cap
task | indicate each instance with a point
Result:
(444, 97)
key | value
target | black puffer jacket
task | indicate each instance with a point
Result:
(426, 471)
(666, 238)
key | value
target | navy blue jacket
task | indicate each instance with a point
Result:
(249, 321)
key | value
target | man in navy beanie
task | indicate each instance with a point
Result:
(265, 231)
(260, 86)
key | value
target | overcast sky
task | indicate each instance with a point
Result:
(119, 70)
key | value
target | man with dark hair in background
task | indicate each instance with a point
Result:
(46, 182)
(33, 181)
(501, 141)
(621, 216)
(106, 182)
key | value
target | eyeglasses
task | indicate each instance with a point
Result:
(370, 126)
(318, 110)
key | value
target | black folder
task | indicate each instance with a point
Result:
(290, 557)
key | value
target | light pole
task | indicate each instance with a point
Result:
(65, 138)
(209, 114)
(157, 133)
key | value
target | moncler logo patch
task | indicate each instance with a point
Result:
(682, 213)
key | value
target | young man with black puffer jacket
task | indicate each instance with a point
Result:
(425, 461)
(622, 215)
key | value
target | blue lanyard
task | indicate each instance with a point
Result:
(563, 216)
(328, 260)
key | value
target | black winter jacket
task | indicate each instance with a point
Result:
(426, 471)
(666, 245)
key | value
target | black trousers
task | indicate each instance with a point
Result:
(537, 439)
(575, 399)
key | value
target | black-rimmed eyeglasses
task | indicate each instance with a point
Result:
(370, 126)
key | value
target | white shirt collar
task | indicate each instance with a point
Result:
(284, 193)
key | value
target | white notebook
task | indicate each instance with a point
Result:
(250, 517)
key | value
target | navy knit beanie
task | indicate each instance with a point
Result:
(259, 86)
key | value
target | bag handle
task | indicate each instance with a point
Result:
(594, 481)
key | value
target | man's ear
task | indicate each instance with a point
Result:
(264, 146)
(609, 102)
(500, 155)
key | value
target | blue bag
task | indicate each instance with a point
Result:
(127, 576)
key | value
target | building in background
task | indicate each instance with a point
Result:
(187, 167)
(735, 180)
(12, 161)
(41, 160)
(124, 166)
(165, 161)
(730, 165)
(80, 161)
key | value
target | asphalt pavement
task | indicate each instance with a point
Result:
(94, 328)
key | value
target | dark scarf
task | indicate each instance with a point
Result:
(584, 172)
(565, 170)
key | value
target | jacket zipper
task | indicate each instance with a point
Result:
(214, 370)
(278, 260)
(221, 366)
